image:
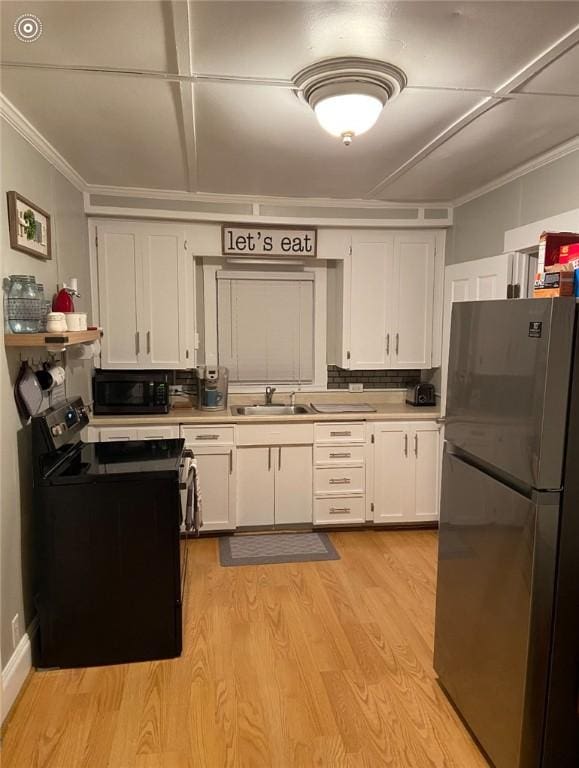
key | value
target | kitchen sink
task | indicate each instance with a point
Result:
(270, 410)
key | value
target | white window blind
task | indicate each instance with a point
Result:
(266, 327)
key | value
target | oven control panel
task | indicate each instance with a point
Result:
(61, 423)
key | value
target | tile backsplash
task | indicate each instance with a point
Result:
(339, 378)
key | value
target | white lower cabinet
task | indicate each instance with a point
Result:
(274, 480)
(214, 449)
(274, 485)
(293, 484)
(255, 486)
(406, 471)
(340, 473)
(427, 459)
(216, 468)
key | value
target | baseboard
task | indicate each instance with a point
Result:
(17, 670)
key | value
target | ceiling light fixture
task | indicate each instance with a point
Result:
(348, 94)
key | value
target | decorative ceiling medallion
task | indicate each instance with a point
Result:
(348, 94)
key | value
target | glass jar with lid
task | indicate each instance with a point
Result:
(23, 304)
(44, 307)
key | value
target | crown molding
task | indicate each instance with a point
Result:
(236, 199)
(556, 153)
(24, 127)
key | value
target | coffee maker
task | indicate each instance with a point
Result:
(212, 387)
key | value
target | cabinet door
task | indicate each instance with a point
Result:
(366, 307)
(216, 468)
(112, 434)
(118, 264)
(426, 451)
(412, 289)
(164, 286)
(255, 486)
(393, 474)
(293, 484)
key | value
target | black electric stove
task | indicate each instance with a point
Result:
(107, 519)
(100, 462)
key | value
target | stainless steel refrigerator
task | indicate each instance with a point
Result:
(507, 605)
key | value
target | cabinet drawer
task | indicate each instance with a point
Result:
(340, 511)
(338, 455)
(274, 434)
(157, 433)
(349, 432)
(339, 480)
(212, 434)
(114, 434)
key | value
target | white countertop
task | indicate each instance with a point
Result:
(390, 406)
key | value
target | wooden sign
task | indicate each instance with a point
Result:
(268, 241)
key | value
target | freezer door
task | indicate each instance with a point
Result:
(508, 385)
(497, 553)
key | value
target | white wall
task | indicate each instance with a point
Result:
(23, 169)
(479, 226)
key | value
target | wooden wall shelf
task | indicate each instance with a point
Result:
(64, 339)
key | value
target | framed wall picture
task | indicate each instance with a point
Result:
(29, 227)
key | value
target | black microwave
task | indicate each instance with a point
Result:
(127, 392)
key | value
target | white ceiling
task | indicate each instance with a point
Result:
(197, 96)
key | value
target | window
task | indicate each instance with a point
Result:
(265, 326)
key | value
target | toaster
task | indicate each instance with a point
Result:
(421, 394)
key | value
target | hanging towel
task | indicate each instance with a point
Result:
(194, 517)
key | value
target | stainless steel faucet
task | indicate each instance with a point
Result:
(292, 398)
(269, 395)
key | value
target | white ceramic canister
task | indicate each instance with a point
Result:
(76, 321)
(56, 322)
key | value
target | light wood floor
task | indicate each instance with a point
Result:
(310, 664)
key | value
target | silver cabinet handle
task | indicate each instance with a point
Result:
(137, 343)
(279, 458)
(441, 420)
(340, 434)
(231, 461)
(339, 510)
(340, 455)
(340, 481)
(416, 445)
(206, 437)
(148, 342)
(269, 458)
(397, 342)
(387, 343)
(406, 444)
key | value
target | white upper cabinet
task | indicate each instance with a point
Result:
(390, 295)
(412, 296)
(146, 295)
(370, 267)
(118, 254)
(165, 296)
(334, 243)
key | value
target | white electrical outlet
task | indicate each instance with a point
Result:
(15, 631)
(356, 387)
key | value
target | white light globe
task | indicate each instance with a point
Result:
(348, 114)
